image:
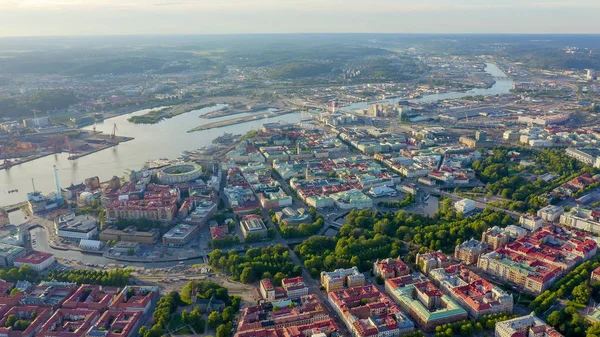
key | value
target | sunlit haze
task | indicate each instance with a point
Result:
(108, 17)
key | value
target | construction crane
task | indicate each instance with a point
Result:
(71, 151)
(114, 132)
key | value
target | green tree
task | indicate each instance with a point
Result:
(247, 275)
(582, 293)
(21, 325)
(593, 331)
(185, 317)
(10, 320)
(214, 319)
(228, 314)
(224, 330)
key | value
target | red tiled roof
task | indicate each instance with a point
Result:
(34, 257)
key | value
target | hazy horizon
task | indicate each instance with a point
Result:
(208, 17)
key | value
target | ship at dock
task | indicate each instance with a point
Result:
(226, 139)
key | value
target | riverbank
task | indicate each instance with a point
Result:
(234, 110)
(115, 142)
(155, 116)
(11, 163)
(239, 120)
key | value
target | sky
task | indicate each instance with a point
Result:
(131, 17)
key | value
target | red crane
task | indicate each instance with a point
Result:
(71, 151)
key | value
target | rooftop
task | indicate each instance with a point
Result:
(9, 250)
(69, 323)
(180, 231)
(34, 257)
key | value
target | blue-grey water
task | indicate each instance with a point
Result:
(166, 139)
(502, 86)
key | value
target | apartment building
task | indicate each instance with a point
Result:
(525, 326)
(341, 278)
(528, 273)
(432, 260)
(531, 223)
(280, 314)
(294, 287)
(367, 312)
(469, 251)
(478, 296)
(425, 303)
(550, 213)
(390, 268)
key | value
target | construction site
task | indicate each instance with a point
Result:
(17, 149)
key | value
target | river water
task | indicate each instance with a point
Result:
(166, 139)
(42, 245)
(502, 86)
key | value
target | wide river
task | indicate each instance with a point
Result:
(166, 139)
(502, 86)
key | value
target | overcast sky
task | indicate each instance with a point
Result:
(109, 17)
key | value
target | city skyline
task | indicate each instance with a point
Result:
(132, 17)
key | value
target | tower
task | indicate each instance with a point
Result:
(59, 198)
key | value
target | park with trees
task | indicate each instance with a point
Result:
(505, 177)
(370, 235)
(113, 278)
(255, 264)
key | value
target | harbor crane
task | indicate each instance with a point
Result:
(114, 132)
(71, 151)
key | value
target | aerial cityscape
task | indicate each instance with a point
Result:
(299, 185)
